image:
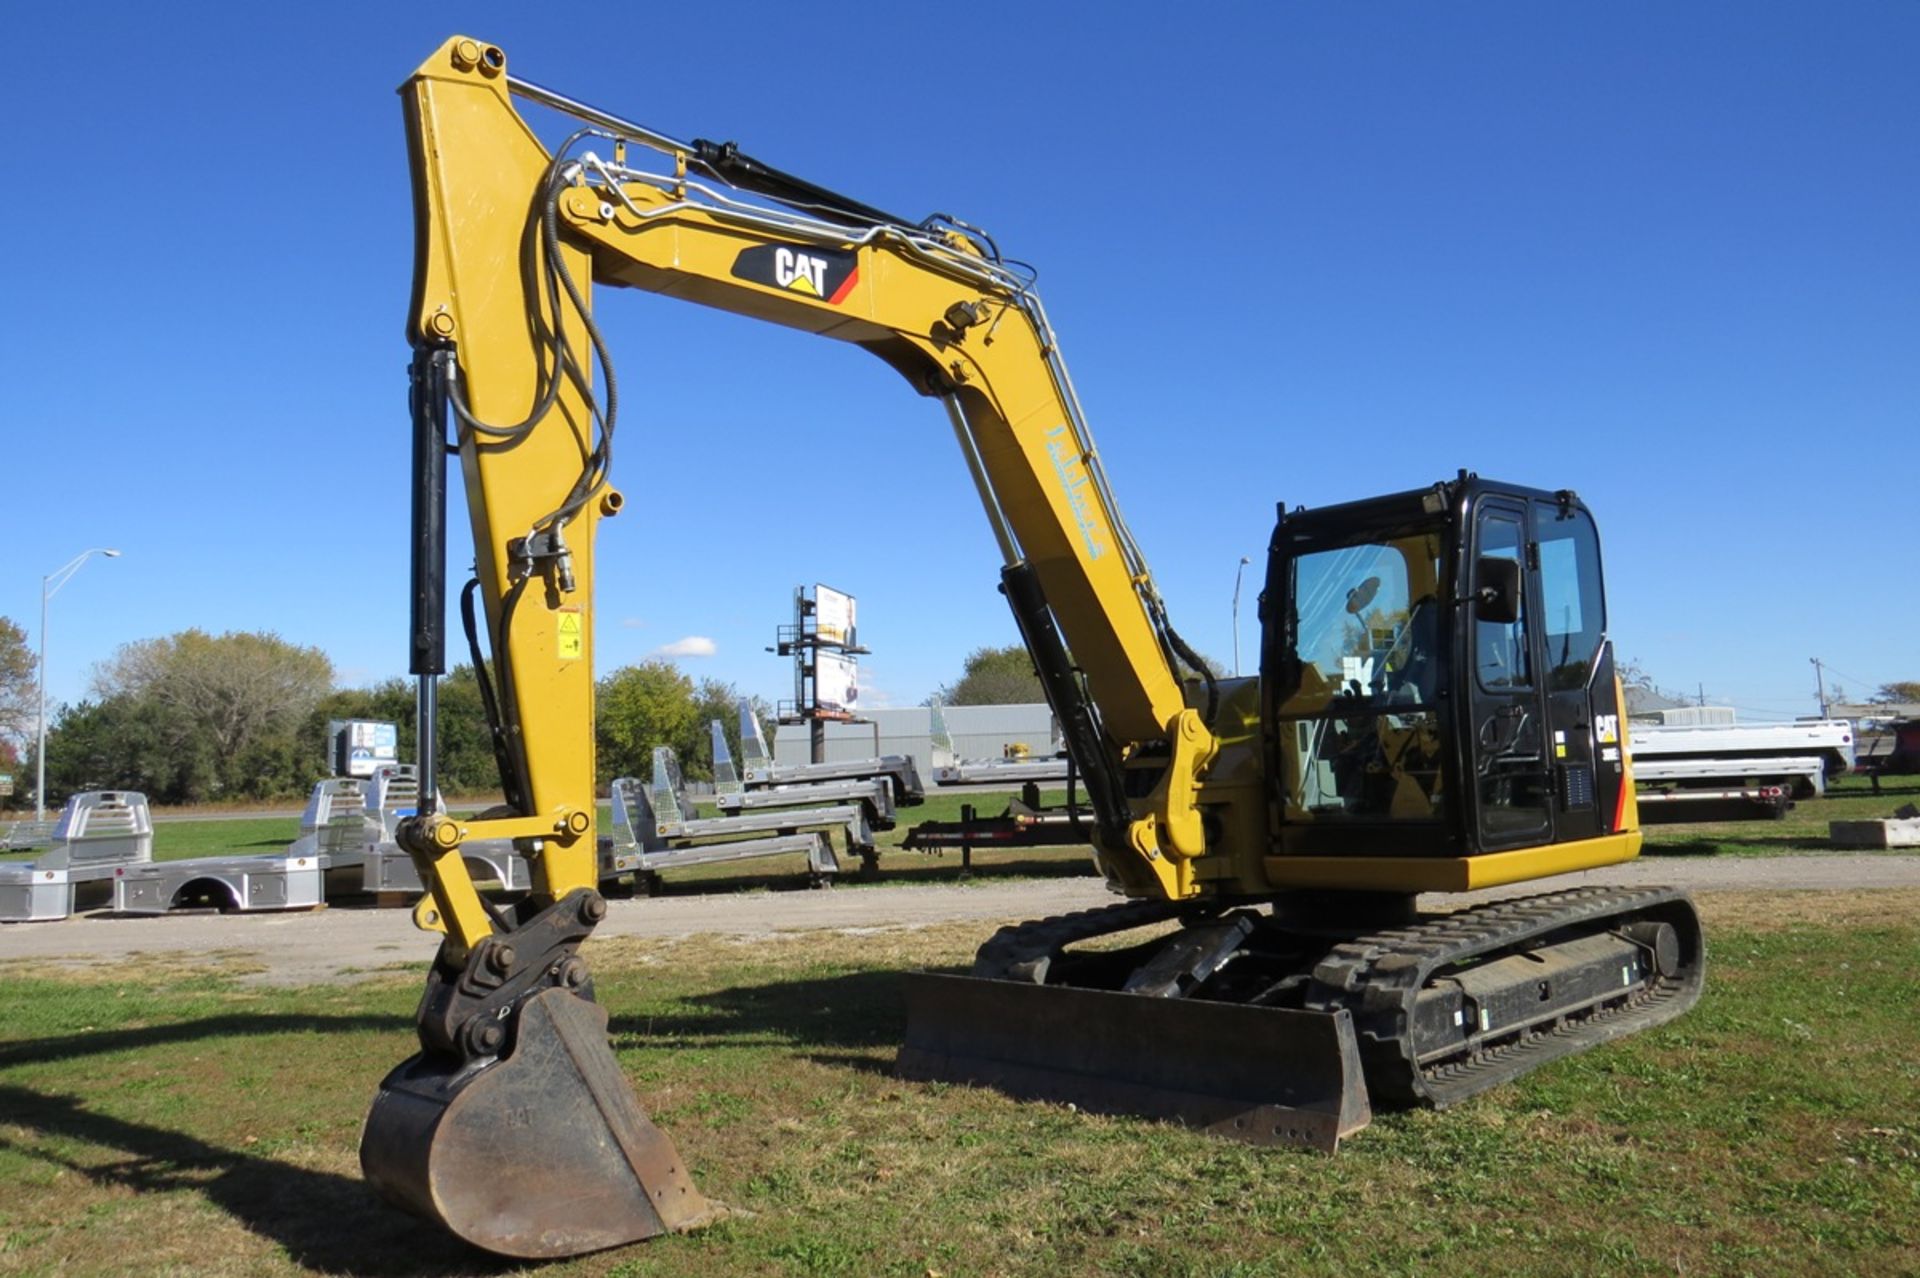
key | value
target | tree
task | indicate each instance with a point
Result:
(1634, 675)
(995, 677)
(717, 700)
(126, 743)
(463, 754)
(19, 700)
(231, 705)
(1907, 690)
(10, 764)
(638, 708)
(465, 749)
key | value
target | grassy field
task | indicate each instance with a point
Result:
(181, 1121)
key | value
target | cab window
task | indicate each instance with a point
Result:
(1500, 647)
(1571, 600)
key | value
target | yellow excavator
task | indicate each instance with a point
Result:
(1436, 711)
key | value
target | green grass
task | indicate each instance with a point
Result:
(1802, 831)
(245, 836)
(181, 1122)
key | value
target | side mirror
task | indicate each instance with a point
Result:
(1496, 590)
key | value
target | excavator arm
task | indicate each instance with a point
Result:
(511, 376)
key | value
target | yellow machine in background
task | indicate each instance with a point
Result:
(1436, 710)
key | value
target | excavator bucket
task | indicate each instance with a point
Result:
(1268, 1076)
(541, 1153)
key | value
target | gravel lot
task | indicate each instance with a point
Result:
(344, 943)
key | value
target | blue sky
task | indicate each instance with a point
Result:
(1664, 254)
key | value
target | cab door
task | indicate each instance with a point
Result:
(1576, 670)
(1505, 730)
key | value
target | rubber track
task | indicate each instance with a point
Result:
(1016, 952)
(1378, 977)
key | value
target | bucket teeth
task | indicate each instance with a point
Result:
(541, 1153)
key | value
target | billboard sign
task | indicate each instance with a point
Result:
(836, 683)
(833, 617)
(361, 745)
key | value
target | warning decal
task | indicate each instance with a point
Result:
(570, 646)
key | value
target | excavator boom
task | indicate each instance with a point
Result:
(514, 1078)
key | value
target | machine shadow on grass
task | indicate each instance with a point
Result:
(41, 1051)
(301, 1211)
(852, 1011)
(298, 1209)
(1708, 845)
(853, 1015)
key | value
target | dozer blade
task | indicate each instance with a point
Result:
(542, 1153)
(1269, 1076)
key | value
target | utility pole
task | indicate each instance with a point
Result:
(1820, 682)
(49, 587)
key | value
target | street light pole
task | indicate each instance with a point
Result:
(49, 587)
(1244, 561)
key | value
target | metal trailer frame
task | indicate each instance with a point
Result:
(336, 820)
(674, 819)
(873, 794)
(1805, 775)
(1727, 803)
(1830, 739)
(351, 825)
(726, 779)
(384, 869)
(1026, 823)
(18, 836)
(987, 772)
(34, 893)
(759, 771)
(98, 833)
(230, 884)
(636, 846)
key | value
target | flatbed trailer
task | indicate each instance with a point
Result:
(350, 823)
(98, 833)
(1829, 740)
(230, 884)
(1803, 776)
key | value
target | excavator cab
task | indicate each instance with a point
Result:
(1438, 713)
(1436, 676)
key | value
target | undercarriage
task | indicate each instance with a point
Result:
(1286, 1021)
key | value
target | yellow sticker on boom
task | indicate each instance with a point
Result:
(570, 645)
